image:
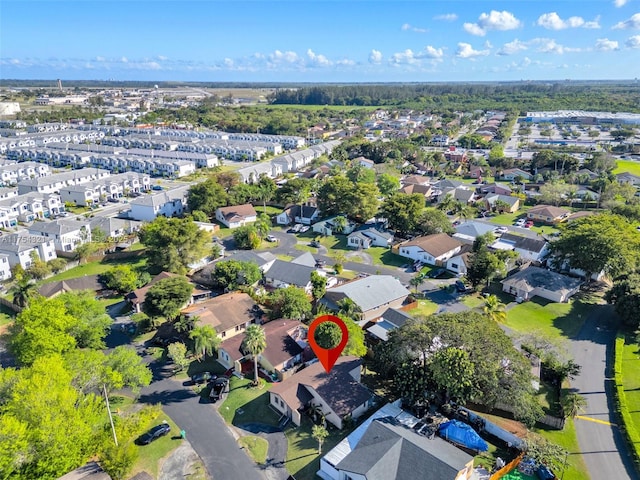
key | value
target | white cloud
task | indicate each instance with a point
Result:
(124, 60)
(317, 60)
(552, 21)
(100, 59)
(632, 24)
(512, 47)
(405, 27)
(162, 58)
(283, 57)
(548, 45)
(228, 62)
(433, 53)
(447, 17)
(494, 20)
(593, 24)
(375, 57)
(633, 42)
(620, 3)
(406, 57)
(345, 62)
(465, 50)
(605, 45)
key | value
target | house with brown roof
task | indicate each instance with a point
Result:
(87, 282)
(136, 298)
(548, 214)
(425, 190)
(433, 249)
(237, 215)
(338, 394)
(286, 344)
(415, 180)
(229, 314)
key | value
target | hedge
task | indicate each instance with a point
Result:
(628, 428)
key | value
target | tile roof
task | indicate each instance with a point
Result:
(548, 211)
(87, 282)
(139, 294)
(225, 311)
(240, 211)
(436, 244)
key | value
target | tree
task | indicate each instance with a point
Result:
(572, 404)
(262, 225)
(173, 243)
(318, 285)
(328, 335)
(117, 460)
(453, 373)
(23, 290)
(205, 340)
(495, 309)
(546, 452)
(246, 237)
(402, 211)
(266, 190)
(85, 250)
(126, 369)
(334, 195)
(92, 323)
(41, 329)
(254, 343)
(433, 221)
(359, 174)
(199, 216)
(121, 278)
(363, 202)
(38, 268)
(231, 274)
(319, 433)
(625, 295)
(57, 264)
(598, 243)
(177, 352)
(355, 345)
(387, 184)
(296, 191)
(167, 297)
(483, 267)
(289, 302)
(554, 192)
(207, 197)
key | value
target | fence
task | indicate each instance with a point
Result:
(10, 305)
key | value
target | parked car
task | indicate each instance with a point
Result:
(320, 263)
(316, 244)
(500, 230)
(202, 377)
(113, 200)
(156, 187)
(305, 228)
(153, 434)
(436, 273)
(219, 387)
(296, 228)
(529, 224)
(520, 223)
(460, 286)
(271, 238)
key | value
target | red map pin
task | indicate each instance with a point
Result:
(327, 356)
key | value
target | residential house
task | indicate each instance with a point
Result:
(368, 238)
(494, 188)
(511, 174)
(229, 314)
(459, 264)
(67, 234)
(286, 342)
(283, 274)
(626, 177)
(292, 214)
(169, 203)
(476, 172)
(86, 282)
(548, 214)
(528, 249)
(456, 155)
(433, 249)
(425, 190)
(363, 162)
(339, 395)
(115, 228)
(461, 194)
(373, 295)
(264, 260)
(415, 180)
(534, 281)
(327, 227)
(237, 215)
(20, 247)
(5, 267)
(467, 232)
(391, 319)
(392, 450)
(8, 192)
(495, 202)
(137, 297)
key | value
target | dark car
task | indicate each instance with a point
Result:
(460, 287)
(436, 273)
(320, 263)
(219, 387)
(153, 434)
(315, 244)
(202, 377)
(156, 187)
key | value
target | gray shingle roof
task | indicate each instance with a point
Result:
(369, 292)
(290, 273)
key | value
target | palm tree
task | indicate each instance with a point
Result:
(416, 281)
(319, 433)
(205, 340)
(255, 342)
(262, 225)
(573, 404)
(495, 309)
(23, 291)
(349, 309)
(447, 203)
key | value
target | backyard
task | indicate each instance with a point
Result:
(630, 166)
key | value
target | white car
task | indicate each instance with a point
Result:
(271, 238)
(305, 229)
(500, 230)
(520, 223)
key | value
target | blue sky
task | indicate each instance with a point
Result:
(320, 41)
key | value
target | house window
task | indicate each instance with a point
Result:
(237, 328)
(223, 334)
(454, 265)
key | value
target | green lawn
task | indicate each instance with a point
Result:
(551, 319)
(306, 248)
(567, 439)
(95, 268)
(473, 300)
(256, 446)
(425, 308)
(631, 379)
(630, 166)
(150, 455)
(245, 404)
(384, 256)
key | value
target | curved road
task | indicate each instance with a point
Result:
(601, 443)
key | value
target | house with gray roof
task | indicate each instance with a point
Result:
(390, 450)
(391, 319)
(19, 248)
(534, 281)
(67, 234)
(529, 249)
(433, 249)
(115, 228)
(168, 203)
(492, 200)
(467, 232)
(373, 295)
(283, 274)
(369, 237)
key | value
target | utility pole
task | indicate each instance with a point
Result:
(113, 428)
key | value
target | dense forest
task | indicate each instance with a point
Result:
(467, 97)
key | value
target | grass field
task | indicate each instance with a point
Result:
(150, 455)
(256, 446)
(95, 268)
(631, 379)
(567, 439)
(245, 404)
(630, 166)
(554, 320)
(425, 308)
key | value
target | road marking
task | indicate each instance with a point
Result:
(595, 420)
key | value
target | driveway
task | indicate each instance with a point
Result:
(601, 443)
(447, 303)
(205, 428)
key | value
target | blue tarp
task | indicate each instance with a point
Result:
(462, 434)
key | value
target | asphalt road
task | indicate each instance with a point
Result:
(205, 429)
(601, 443)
